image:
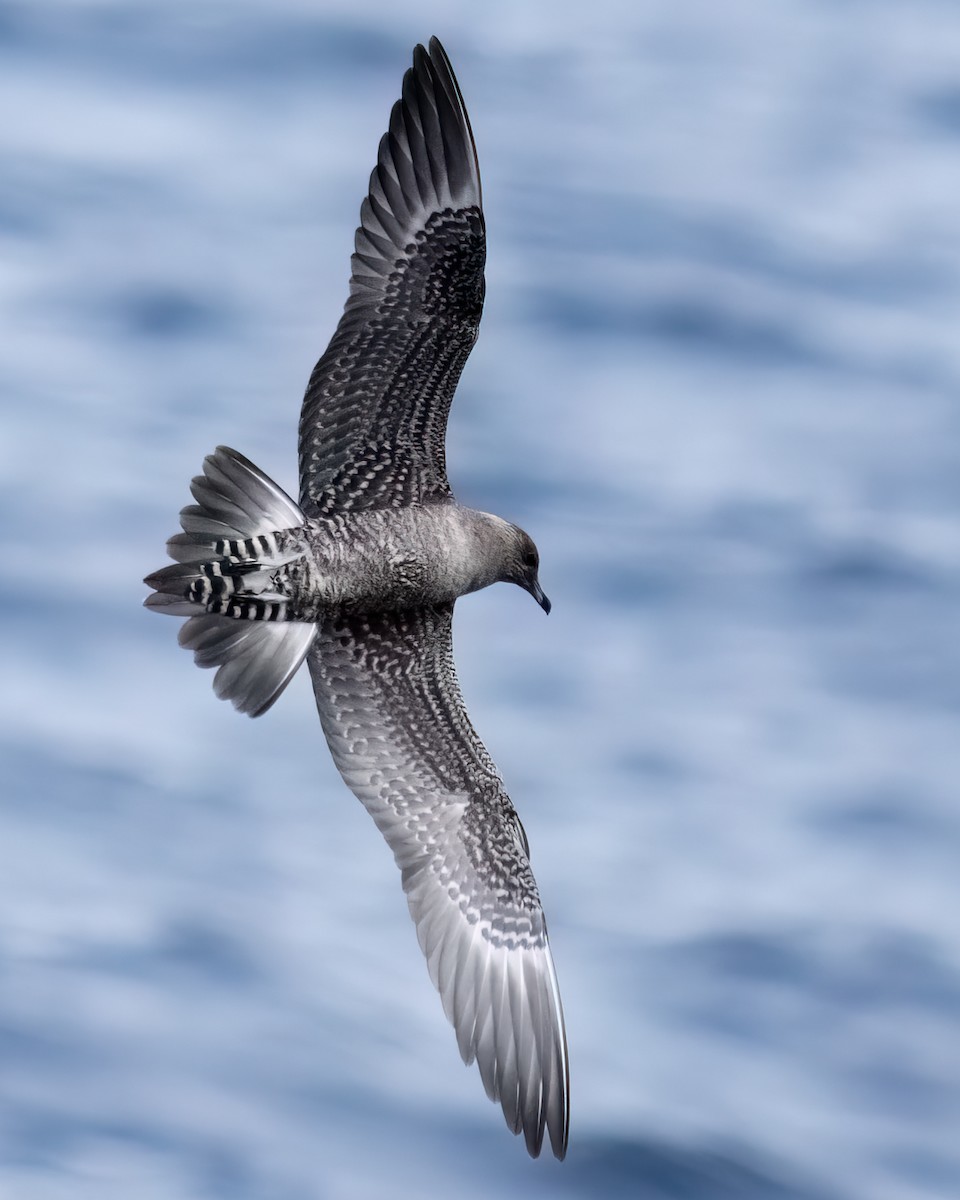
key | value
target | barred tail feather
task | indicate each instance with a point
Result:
(234, 540)
(235, 500)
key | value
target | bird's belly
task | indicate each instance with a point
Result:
(383, 561)
(377, 582)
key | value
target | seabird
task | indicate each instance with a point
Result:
(360, 579)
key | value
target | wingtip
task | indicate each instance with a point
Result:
(436, 51)
(536, 1134)
(434, 63)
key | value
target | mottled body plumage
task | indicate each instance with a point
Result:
(367, 561)
(360, 578)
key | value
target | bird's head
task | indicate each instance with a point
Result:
(523, 566)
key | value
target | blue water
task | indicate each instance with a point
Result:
(718, 381)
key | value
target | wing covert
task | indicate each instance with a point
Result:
(373, 423)
(396, 725)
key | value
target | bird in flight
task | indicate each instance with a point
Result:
(360, 579)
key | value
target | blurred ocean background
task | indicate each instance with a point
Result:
(718, 381)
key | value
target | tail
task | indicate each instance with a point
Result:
(229, 580)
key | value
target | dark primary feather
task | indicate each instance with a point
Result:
(374, 415)
(396, 724)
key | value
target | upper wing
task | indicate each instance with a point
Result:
(395, 721)
(374, 415)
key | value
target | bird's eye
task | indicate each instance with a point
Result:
(530, 559)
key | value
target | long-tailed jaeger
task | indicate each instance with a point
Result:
(360, 579)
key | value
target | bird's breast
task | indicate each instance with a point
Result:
(386, 560)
